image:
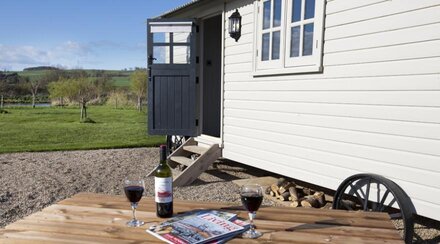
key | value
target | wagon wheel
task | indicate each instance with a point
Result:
(174, 142)
(371, 192)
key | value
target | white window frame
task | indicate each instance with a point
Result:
(270, 64)
(287, 64)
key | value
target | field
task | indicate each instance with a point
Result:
(51, 129)
(119, 78)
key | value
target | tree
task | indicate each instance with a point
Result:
(33, 85)
(138, 85)
(102, 85)
(80, 90)
(3, 88)
(59, 90)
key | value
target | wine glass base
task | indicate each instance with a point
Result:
(251, 234)
(135, 223)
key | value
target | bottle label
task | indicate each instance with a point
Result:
(163, 188)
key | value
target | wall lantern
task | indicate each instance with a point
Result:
(235, 25)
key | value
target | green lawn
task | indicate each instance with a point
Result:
(121, 81)
(49, 129)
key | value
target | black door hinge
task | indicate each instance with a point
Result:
(197, 122)
(197, 59)
(197, 29)
(197, 80)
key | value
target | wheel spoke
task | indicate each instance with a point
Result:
(367, 195)
(355, 192)
(381, 206)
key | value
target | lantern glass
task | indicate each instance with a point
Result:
(235, 25)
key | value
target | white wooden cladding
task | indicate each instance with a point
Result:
(374, 109)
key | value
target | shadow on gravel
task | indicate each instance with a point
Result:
(423, 226)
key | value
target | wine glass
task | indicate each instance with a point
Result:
(133, 190)
(251, 197)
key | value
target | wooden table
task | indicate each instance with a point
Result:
(96, 218)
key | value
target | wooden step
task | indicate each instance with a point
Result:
(195, 149)
(202, 163)
(182, 160)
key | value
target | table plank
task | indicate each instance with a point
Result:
(116, 200)
(87, 217)
(317, 216)
(80, 215)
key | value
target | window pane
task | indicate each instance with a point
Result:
(308, 40)
(294, 41)
(181, 37)
(161, 37)
(310, 9)
(265, 47)
(276, 13)
(276, 45)
(181, 54)
(161, 54)
(296, 10)
(266, 15)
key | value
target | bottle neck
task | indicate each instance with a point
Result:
(163, 155)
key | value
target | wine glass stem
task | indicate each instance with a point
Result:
(133, 207)
(251, 220)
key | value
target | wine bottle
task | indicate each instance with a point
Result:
(163, 186)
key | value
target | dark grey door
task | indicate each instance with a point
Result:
(172, 77)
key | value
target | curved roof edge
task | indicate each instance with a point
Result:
(178, 8)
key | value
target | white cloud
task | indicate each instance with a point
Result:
(68, 54)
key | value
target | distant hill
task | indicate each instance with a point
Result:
(38, 68)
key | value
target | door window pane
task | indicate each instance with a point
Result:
(294, 41)
(181, 55)
(296, 10)
(161, 54)
(276, 45)
(308, 40)
(181, 37)
(161, 37)
(276, 13)
(310, 9)
(266, 15)
(265, 47)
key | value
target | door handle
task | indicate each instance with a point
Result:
(150, 59)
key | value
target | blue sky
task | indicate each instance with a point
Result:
(98, 34)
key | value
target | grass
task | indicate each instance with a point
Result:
(121, 81)
(52, 129)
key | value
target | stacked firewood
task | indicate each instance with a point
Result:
(285, 190)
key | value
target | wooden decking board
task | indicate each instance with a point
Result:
(87, 218)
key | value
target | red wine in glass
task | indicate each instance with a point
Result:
(134, 193)
(251, 197)
(251, 201)
(134, 189)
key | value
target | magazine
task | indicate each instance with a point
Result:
(224, 215)
(224, 239)
(199, 227)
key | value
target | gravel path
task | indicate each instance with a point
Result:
(32, 181)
